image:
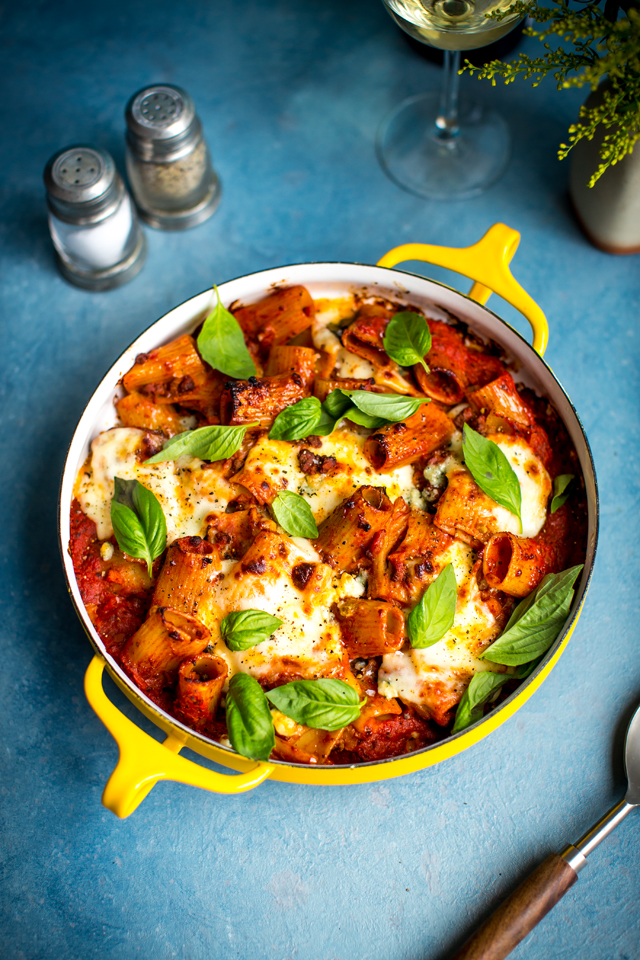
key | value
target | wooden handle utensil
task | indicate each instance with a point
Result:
(520, 912)
(534, 898)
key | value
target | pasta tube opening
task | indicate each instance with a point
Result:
(515, 565)
(200, 683)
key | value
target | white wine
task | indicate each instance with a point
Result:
(452, 24)
(435, 145)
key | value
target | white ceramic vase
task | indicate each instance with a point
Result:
(608, 212)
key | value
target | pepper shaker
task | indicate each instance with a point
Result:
(92, 221)
(168, 162)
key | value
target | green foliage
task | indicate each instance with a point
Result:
(605, 47)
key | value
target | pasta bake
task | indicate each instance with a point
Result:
(328, 531)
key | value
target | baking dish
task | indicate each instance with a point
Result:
(143, 761)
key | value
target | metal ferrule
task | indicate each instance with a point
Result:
(574, 858)
(576, 854)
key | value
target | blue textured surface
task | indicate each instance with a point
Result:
(290, 95)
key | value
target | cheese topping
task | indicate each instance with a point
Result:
(347, 364)
(309, 640)
(418, 675)
(535, 486)
(330, 312)
(187, 489)
(307, 644)
(277, 461)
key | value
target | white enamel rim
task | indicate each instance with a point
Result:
(325, 280)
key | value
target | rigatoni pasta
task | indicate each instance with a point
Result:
(419, 435)
(260, 401)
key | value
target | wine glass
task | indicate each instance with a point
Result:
(439, 145)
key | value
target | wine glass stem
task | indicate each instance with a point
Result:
(447, 120)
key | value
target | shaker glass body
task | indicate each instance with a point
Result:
(97, 246)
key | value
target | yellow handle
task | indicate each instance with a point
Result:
(143, 761)
(487, 263)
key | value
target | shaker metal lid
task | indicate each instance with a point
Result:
(160, 112)
(82, 183)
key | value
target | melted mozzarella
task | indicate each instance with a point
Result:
(277, 461)
(535, 483)
(330, 312)
(187, 489)
(428, 676)
(309, 641)
(350, 585)
(350, 365)
(535, 487)
(347, 364)
(431, 681)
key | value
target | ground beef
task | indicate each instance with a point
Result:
(391, 738)
(152, 443)
(466, 416)
(311, 463)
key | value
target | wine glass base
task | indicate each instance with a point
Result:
(413, 155)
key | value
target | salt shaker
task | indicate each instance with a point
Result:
(92, 221)
(168, 162)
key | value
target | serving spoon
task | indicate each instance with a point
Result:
(524, 909)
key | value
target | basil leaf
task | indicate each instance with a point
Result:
(434, 614)
(138, 521)
(325, 425)
(293, 513)
(523, 606)
(492, 471)
(249, 721)
(334, 408)
(206, 443)
(531, 632)
(407, 339)
(364, 419)
(526, 669)
(337, 404)
(519, 611)
(371, 410)
(246, 628)
(482, 686)
(389, 406)
(560, 484)
(221, 343)
(297, 421)
(322, 704)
